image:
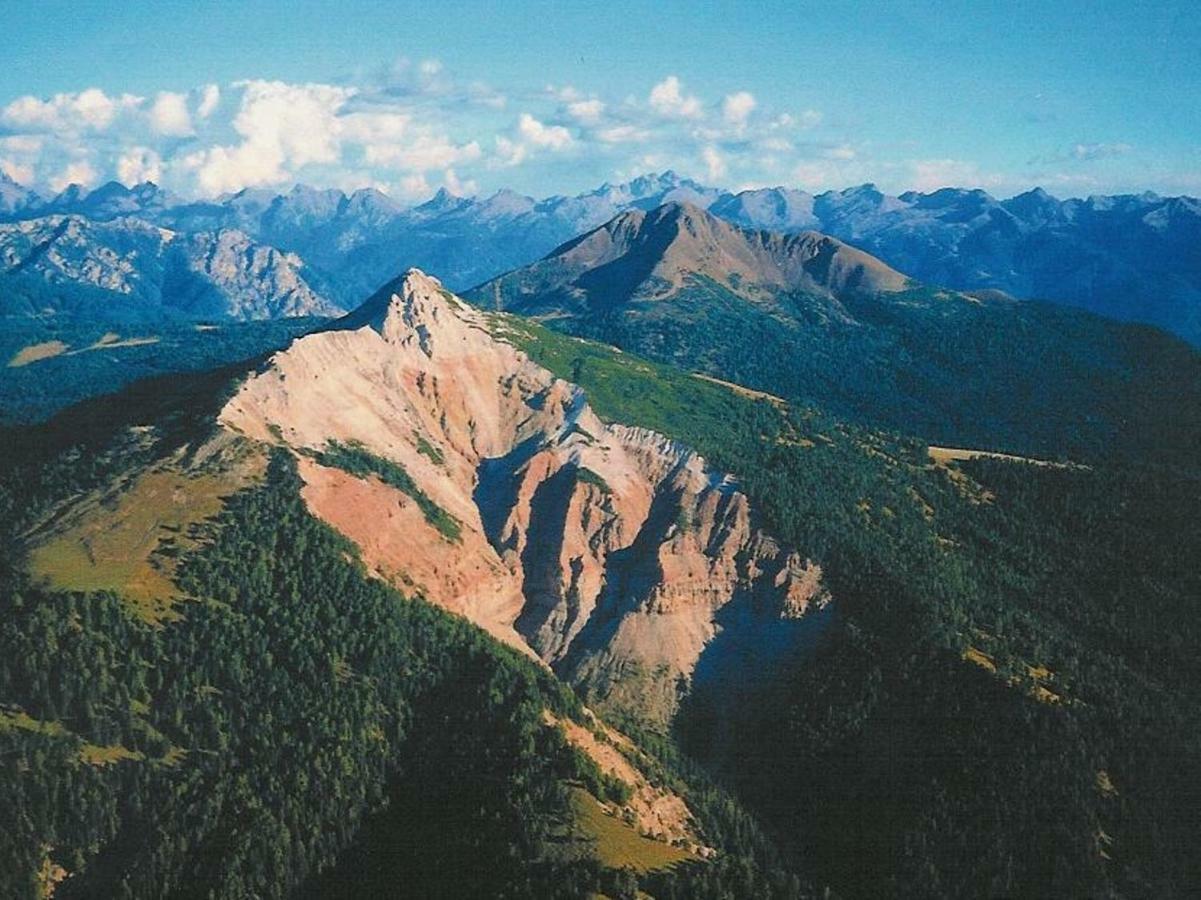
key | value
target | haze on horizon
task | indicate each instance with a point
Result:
(549, 100)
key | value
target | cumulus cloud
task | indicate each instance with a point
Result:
(412, 127)
(76, 172)
(210, 97)
(457, 186)
(415, 186)
(737, 107)
(587, 112)
(668, 98)
(409, 119)
(509, 153)
(18, 156)
(553, 137)
(90, 109)
(715, 164)
(169, 115)
(283, 127)
(139, 164)
(20, 172)
(421, 152)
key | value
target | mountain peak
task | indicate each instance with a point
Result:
(412, 309)
(654, 255)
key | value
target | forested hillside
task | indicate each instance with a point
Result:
(1008, 703)
(816, 321)
(1003, 702)
(46, 365)
(287, 713)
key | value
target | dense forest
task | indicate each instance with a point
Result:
(1009, 703)
(298, 729)
(995, 374)
(49, 364)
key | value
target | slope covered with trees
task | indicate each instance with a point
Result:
(294, 716)
(1005, 701)
(824, 324)
(1007, 704)
(47, 365)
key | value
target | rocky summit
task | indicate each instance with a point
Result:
(601, 548)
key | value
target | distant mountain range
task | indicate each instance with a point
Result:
(1126, 257)
(127, 270)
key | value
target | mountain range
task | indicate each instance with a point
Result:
(326, 620)
(127, 270)
(811, 319)
(1127, 257)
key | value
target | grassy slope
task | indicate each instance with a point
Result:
(617, 844)
(1022, 377)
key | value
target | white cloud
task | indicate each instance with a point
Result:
(415, 187)
(422, 152)
(737, 107)
(842, 151)
(623, 134)
(20, 172)
(90, 109)
(824, 174)
(77, 172)
(283, 127)
(19, 157)
(210, 96)
(566, 93)
(587, 112)
(21, 143)
(458, 187)
(554, 137)
(932, 174)
(373, 127)
(169, 115)
(667, 98)
(139, 164)
(509, 153)
(715, 164)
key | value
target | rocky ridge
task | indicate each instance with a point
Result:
(607, 551)
(652, 255)
(134, 266)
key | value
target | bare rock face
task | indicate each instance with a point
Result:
(608, 551)
(253, 280)
(159, 272)
(647, 256)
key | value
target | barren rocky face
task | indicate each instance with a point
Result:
(612, 553)
(652, 255)
(218, 274)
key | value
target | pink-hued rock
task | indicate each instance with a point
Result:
(604, 549)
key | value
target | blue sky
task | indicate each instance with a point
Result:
(548, 98)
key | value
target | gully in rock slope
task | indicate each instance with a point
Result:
(470, 474)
